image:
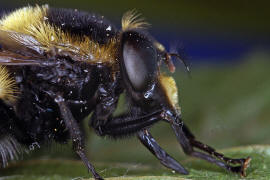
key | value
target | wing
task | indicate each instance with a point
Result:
(10, 58)
(18, 49)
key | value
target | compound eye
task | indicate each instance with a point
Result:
(139, 61)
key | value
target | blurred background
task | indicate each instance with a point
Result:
(226, 103)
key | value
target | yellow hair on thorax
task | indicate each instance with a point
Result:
(33, 21)
(132, 20)
(21, 19)
(169, 85)
(81, 48)
(8, 88)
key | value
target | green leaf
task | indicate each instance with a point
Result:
(57, 169)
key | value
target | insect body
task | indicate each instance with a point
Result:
(59, 65)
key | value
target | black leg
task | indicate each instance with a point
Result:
(76, 135)
(150, 143)
(188, 142)
(209, 149)
(124, 125)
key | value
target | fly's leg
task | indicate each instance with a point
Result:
(150, 143)
(209, 149)
(188, 142)
(127, 124)
(76, 135)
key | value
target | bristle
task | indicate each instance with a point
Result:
(21, 19)
(8, 88)
(83, 49)
(133, 20)
(169, 85)
(9, 150)
(33, 21)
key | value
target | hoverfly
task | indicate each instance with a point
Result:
(60, 65)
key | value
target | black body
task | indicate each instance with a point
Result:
(54, 98)
(82, 23)
(37, 114)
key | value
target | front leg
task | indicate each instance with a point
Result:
(76, 134)
(150, 143)
(188, 143)
(124, 125)
(208, 149)
(127, 124)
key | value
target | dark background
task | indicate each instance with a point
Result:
(226, 102)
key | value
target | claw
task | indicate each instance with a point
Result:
(245, 166)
